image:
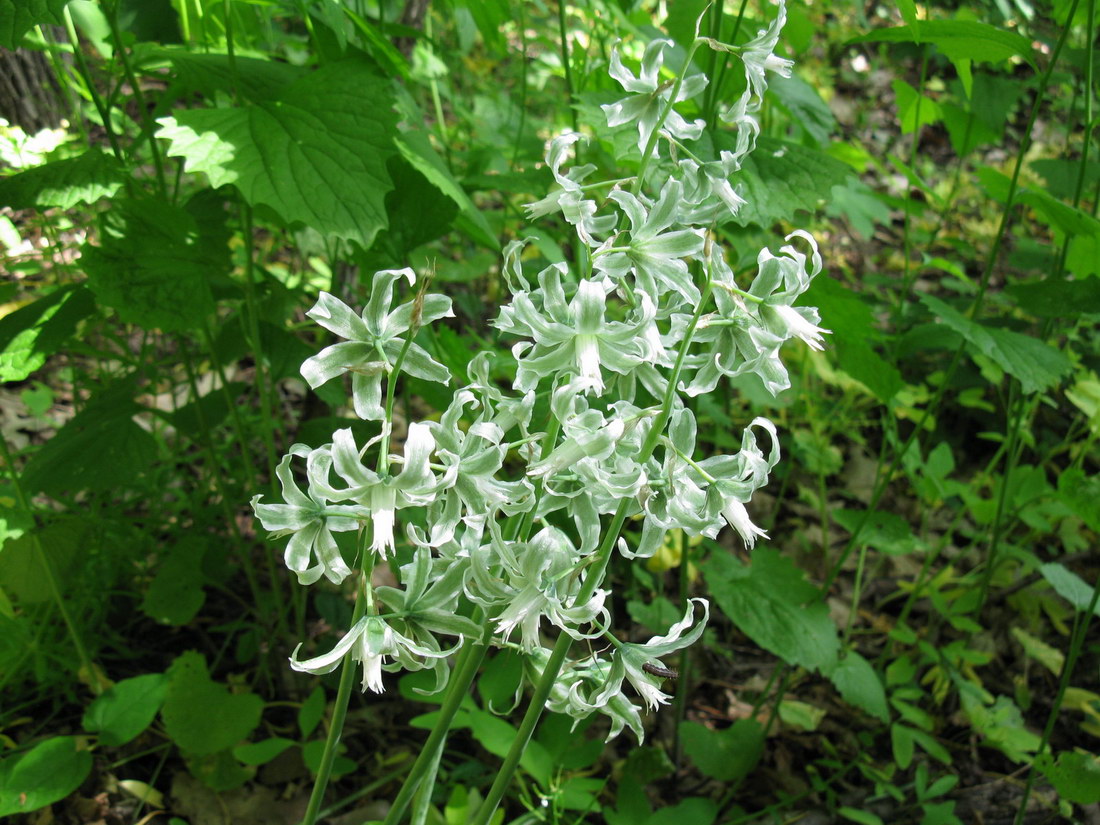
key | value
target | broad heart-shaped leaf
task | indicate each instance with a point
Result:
(121, 713)
(176, 592)
(315, 155)
(780, 178)
(34, 332)
(101, 448)
(957, 39)
(1037, 365)
(64, 183)
(1081, 493)
(154, 265)
(772, 603)
(727, 754)
(17, 17)
(202, 716)
(48, 772)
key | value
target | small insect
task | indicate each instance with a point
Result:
(657, 670)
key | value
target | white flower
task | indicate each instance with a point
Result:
(370, 641)
(630, 660)
(649, 97)
(309, 518)
(381, 497)
(374, 341)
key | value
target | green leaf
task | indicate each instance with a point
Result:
(313, 708)
(725, 755)
(860, 685)
(122, 712)
(1056, 298)
(1081, 494)
(1002, 726)
(102, 448)
(886, 532)
(1037, 365)
(176, 592)
(21, 571)
(417, 211)
(853, 325)
(262, 752)
(914, 111)
(862, 817)
(804, 105)
(202, 716)
(1069, 586)
(1075, 775)
(957, 39)
(780, 178)
(254, 79)
(695, 809)
(316, 155)
(17, 17)
(1050, 657)
(36, 331)
(63, 183)
(417, 149)
(772, 603)
(153, 265)
(48, 772)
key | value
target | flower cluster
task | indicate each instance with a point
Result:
(506, 517)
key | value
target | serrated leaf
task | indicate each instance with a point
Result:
(34, 332)
(254, 79)
(417, 150)
(126, 709)
(101, 448)
(202, 716)
(781, 178)
(48, 772)
(773, 604)
(860, 685)
(315, 155)
(17, 17)
(63, 183)
(1037, 365)
(853, 325)
(804, 105)
(1056, 298)
(153, 265)
(957, 39)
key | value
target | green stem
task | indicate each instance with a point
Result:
(343, 694)
(128, 70)
(565, 62)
